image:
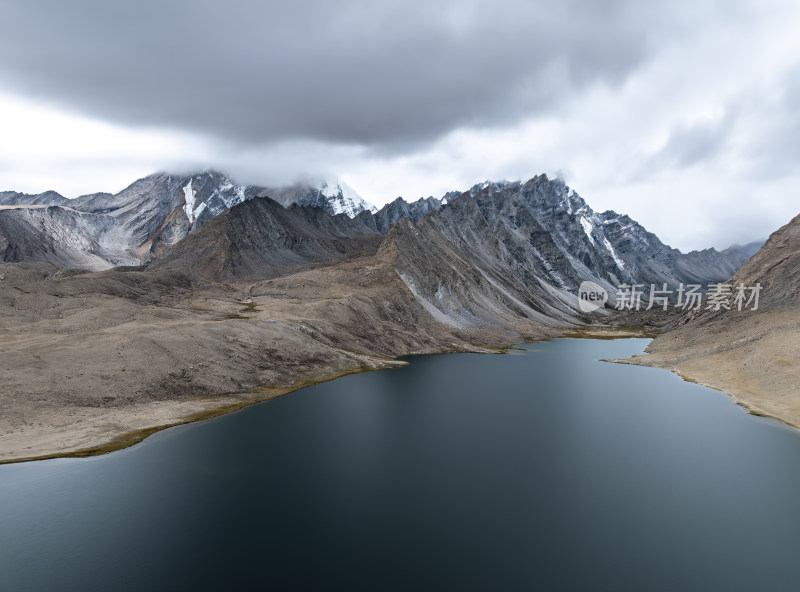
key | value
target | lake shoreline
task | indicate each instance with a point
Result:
(107, 434)
(752, 358)
(445, 464)
(714, 380)
(161, 415)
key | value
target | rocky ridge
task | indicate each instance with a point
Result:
(261, 299)
(140, 224)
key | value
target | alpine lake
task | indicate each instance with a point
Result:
(543, 468)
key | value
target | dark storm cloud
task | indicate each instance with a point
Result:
(385, 74)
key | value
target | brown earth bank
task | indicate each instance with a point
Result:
(93, 362)
(753, 355)
(755, 359)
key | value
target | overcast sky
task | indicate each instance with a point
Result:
(684, 115)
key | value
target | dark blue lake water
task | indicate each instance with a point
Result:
(541, 469)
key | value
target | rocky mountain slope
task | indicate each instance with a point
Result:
(528, 246)
(753, 353)
(140, 222)
(132, 226)
(260, 238)
(261, 299)
(60, 237)
(48, 198)
(399, 209)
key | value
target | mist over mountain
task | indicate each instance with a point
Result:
(335, 197)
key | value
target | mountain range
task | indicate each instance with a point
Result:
(102, 230)
(546, 226)
(184, 296)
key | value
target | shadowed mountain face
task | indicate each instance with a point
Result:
(648, 260)
(399, 209)
(775, 268)
(471, 269)
(260, 239)
(610, 246)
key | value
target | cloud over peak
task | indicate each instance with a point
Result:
(347, 72)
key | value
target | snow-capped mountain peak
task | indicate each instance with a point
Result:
(343, 199)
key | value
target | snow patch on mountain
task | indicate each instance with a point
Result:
(587, 228)
(189, 197)
(620, 263)
(199, 210)
(343, 199)
(566, 202)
